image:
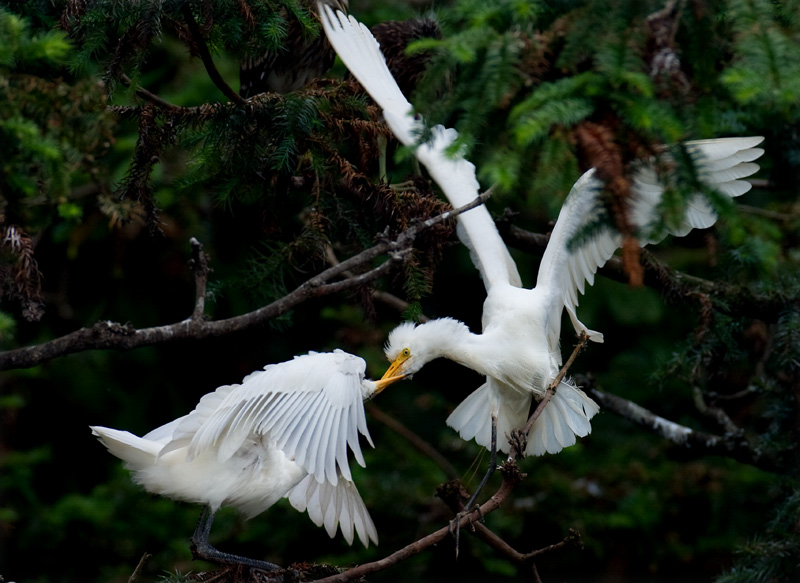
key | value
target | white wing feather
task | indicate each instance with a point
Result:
(334, 504)
(360, 52)
(721, 164)
(311, 406)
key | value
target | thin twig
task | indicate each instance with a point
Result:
(384, 297)
(205, 55)
(138, 570)
(151, 97)
(201, 270)
(423, 446)
(453, 496)
(551, 389)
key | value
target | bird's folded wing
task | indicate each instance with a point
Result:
(311, 407)
(361, 54)
(566, 266)
(331, 504)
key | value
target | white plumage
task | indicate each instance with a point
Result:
(283, 432)
(518, 349)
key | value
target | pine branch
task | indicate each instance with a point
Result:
(108, 335)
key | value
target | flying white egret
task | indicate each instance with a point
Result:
(282, 433)
(518, 349)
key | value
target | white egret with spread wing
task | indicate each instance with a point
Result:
(518, 350)
(282, 433)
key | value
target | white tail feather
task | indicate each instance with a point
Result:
(136, 451)
(566, 416)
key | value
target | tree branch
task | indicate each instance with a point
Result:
(107, 335)
(150, 97)
(205, 55)
(518, 438)
(734, 446)
(453, 493)
(511, 477)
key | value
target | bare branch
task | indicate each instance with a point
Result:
(511, 477)
(734, 446)
(106, 334)
(205, 55)
(138, 570)
(453, 493)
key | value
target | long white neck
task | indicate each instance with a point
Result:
(451, 339)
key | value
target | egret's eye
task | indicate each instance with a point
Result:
(406, 352)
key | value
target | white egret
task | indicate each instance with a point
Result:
(518, 349)
(282, 433)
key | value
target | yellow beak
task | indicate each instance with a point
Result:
(385, 382)
(396, 365)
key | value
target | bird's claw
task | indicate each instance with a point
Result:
(518, 441)
(455, 524)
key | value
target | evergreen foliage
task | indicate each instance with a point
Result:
(122, 137)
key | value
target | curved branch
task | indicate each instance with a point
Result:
(205, 55)
(106, 334)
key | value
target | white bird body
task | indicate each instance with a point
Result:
(251, 480)
(518, 349)
(282, 433)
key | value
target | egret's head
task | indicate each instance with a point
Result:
(411, 346)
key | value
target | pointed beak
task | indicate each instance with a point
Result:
(386, 381)
(393, 369)
(392, 374)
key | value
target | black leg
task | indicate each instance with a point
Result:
(455, 525)
(202, 549)
(490, 470)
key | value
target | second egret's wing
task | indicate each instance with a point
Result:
(331, 505)
(721, 164)
(311, 406)
(361, 54)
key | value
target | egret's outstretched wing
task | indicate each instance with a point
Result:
(360, 52)
(721, 164)
(331, 504)
(311, 406)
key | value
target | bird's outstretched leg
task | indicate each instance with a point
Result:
(455, 525)
(490, 470)
(202, 549)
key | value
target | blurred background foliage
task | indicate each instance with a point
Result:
(101, 190)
